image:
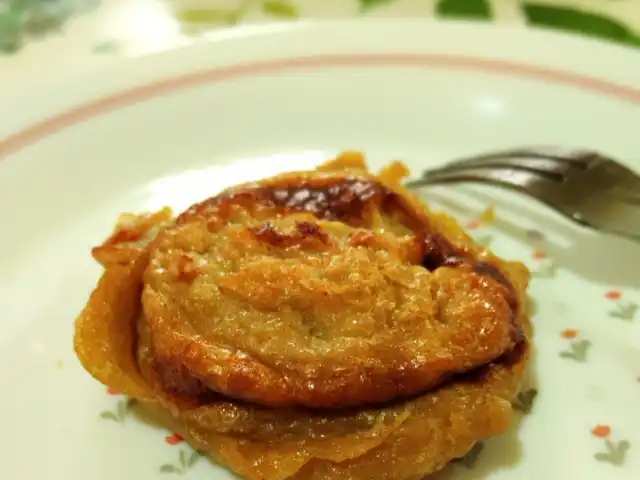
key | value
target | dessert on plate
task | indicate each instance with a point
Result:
(314, 325)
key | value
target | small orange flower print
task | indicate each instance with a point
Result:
(539, 255)
(472, 224)
(174, 439)
(613, 295)
(112, 391)
(601, 431)
(569, 333)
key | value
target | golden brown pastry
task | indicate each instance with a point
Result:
(314, 325)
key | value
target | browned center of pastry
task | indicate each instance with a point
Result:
(317, 291)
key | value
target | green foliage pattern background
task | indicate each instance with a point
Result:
(22, 21)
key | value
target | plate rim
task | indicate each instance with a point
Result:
(50, 109)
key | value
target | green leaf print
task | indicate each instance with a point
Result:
(208, 15)
(109, 416)
(121, 411)
(578, 21)
(366, 5)
(578, 351)
(615, 454)
(186, 462)
(41, 20)
(105, 47)
(169, 469)
(193, 459)
(22, 20)
(625, 311)
(469, 9)
(280, 9)
(524, 401)
(11, 37)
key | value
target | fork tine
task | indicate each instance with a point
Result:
(595, 190)
(524, 181)
(552, 162)
(507, 176)
(573, 156)
(546, 167)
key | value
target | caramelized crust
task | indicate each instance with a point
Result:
(371, 323)
(311, 290)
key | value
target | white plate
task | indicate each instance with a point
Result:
(176, 127)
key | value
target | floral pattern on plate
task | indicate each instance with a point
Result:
(615, 451)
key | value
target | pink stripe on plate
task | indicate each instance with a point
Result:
(56, 123)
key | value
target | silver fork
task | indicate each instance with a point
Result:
(585, 186)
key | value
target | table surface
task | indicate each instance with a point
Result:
(39, 38)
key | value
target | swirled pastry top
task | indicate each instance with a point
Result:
(329, 288)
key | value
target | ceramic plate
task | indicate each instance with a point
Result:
(177, 127)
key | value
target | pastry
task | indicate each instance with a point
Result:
(313, 325)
